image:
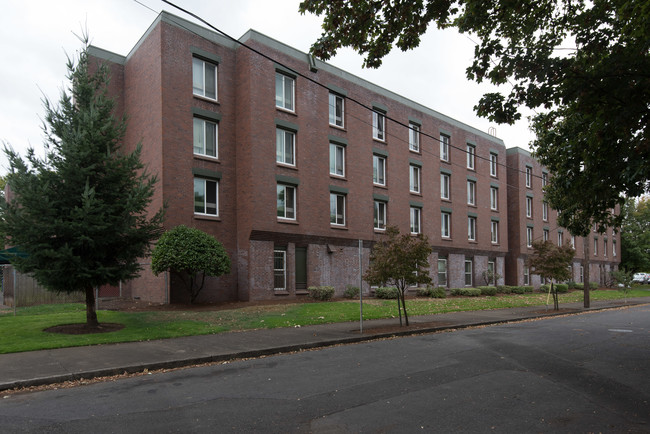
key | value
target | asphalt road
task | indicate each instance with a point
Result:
(582, 373)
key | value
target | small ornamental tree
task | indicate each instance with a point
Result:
(190, 254)
(551, 262)
(80, 214)
(399, 260)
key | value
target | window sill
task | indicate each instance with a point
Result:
(446, 239)
(375, 139)
(380, 186)
(302, 292)
(471, 205)
(280, 292)
(287, 111)
(287, 221)
(445, 199)
(445, 161)
(339, 227)
(415, 193)
(286, 166)
(419, 152)
(205, 98)
(206, 158)
(207, 217)
(339, 177)
(379, 231)
(338, 127)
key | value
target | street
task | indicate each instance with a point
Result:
(579, 373)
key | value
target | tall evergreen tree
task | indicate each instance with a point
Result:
(80, 213)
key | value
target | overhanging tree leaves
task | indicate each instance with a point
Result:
(80, 213)
(635, 235)
(584, 67)
(551, 262)
(400, 260)
(191, 254)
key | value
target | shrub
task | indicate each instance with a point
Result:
(321, 293)
(522, 289)
(351, 292)
(528, 289)
(572, 284)
(384, 292)
(466, 292)
(561, 288)
(488, 290)
(545, 288)
(593, 285)
(503, 289)
(580, 286)
(432, 292)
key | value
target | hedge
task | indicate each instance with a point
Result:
(321, 293)
(351, 292)
(466, 292)
(432, 292)
(488, 290)
(386, 292)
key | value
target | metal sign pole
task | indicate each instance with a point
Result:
(360, 289)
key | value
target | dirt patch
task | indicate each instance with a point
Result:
(84, 329)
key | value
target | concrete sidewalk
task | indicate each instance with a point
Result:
(54, 366)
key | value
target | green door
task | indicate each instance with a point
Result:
(301, 268)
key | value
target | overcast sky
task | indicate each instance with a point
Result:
(36, 35)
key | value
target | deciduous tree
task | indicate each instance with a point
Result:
(191, 254)
(399, 260)
(551, 261)
(79, 214)
(581, 66)
(635, 235)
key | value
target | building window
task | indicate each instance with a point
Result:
(442, 272)
(529, 177)
(286, 202)
(444, 186)
(494, 232)
(378, 126)
(529, 207)
(545, 234)
(605, 248)
(279, 270)
(494, 158)
(415, 220)
(444, 147)
(494, 198)
(337, 209)
(204, 78)
(336, 110)
(378, 170)
(471, 193)
(380, 215)
(337, 160)
(414, 179)
(573, 242)
(614, 248)
(544, 179)
(468, 272)
(544, 211)
(491, 268)
(471, 156)
(560, 238)
(206, 196)
(595, 246)
(284, 91)
(205, 138)
(529, 237)
(526, 275)
(285, 149)
(471, 228)
(445, 225)
(414, 137)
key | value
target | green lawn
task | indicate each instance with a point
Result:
(24, 332)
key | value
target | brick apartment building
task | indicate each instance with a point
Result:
(531, 219)
(291, 175)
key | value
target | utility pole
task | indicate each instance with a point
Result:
(585, 273)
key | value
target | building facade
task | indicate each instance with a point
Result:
(298, 167)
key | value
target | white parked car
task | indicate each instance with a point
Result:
(640, 277)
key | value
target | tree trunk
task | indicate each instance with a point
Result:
(406, 317)
(91, 313)
(556, 301)
(399, 309)
(585, 272)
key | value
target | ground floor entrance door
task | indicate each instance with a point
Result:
(301, 268)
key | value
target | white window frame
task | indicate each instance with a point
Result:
(529, 207)
(282, 100)
(529, 177)
(595, 246)
(203, 183)
(573, 242)
(445, 224)
(545, 234)
(414, 178)
(494, 163)
(469, 274)
(529, 237)
(283, 270)
(445, 141)
(200, 135)
(526, 275)
(471, 157)
(336, 119)
(494, 198)
(414, 137)
(471, 228)
(471, 193)
(491, 268)
(605, 247)
(380, 215)
(337, 216)
(545, 211)
(614, 247)
(378, 126)
(443, 262)
(416, 220)
(286, 215)
(544, 179)
(560, 238)
(378, 170)
(199, 67)
(494, 232)
(337, 152)
(445, 186)
(281, 154)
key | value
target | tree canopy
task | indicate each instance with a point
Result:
(401, 260)
(551, 261)
(189, 252)
(79, 214)
(582, 67)
(635, 235)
